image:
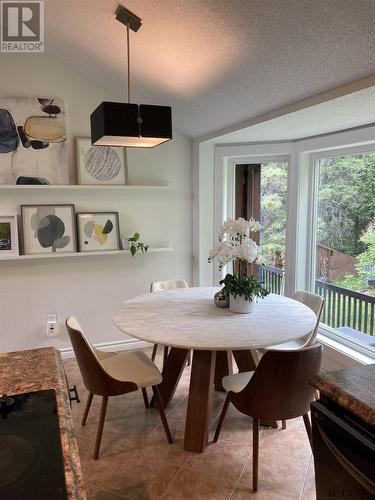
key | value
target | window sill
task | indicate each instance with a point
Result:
(338, 355)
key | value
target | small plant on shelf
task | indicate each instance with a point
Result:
(135, 245)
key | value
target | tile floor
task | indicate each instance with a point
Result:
(136, 462)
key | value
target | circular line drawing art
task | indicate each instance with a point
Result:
(102, 163)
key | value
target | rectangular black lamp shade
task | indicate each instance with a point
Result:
(130, 125)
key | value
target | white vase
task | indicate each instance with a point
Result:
(240, 304)
(125, 243)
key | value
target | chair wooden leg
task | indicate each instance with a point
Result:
(99, 433)
(154, 350)
(145, 398)
(189, 358)
(283, 424)
(255, 453)
(172, 372)
(221, 419)
(165, 355)
(87, 408)
(223, 367)
(307, 423)
(164, 421)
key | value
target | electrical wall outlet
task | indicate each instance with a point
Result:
(51, 325)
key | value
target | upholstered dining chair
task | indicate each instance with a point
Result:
(109, 374)
(316, 304)
(278, 389)
(157, 286)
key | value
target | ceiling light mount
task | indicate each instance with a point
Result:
(128, 18)
(126, 124)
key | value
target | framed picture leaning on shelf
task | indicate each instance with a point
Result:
(8, 236)
(100, 164)
(98, 231)
(48, 229)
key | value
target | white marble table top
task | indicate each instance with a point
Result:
(188, 318)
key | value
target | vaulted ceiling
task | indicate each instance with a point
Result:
(217, 62)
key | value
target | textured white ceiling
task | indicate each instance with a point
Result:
(217, 62)
(345, 112)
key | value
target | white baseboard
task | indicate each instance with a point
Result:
(120, 345)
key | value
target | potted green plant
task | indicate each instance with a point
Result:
(243, 292)
(134, 245)
(237, 245)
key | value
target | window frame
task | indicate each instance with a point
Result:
(225, 192)
(314, 159)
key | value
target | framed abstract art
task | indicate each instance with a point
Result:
(100, 164)
(33, 139)
(8, 235)
(48, 229)
(98, 231)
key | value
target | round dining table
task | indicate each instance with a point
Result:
(186, 319)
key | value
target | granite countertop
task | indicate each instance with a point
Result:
(351, 388)
(41, 369)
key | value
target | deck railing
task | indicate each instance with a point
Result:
(345, 307)
(272, 279)
(342, 307)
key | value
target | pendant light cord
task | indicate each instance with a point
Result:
(128, 57)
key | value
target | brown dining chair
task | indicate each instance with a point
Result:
(278, 389)
(315, 303)
(157, 286)
(108, 374)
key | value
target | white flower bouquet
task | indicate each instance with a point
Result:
(236, 242)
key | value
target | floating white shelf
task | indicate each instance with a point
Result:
(81, 187)
(81, 254)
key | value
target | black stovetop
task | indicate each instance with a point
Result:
(31, 460)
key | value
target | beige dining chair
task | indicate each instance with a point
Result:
(109, 374)
(316, 304)
(157, 286)
(278, 389)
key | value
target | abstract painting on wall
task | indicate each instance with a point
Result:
(98, 231)
(48, 229)
(100, 164)
(33, 139)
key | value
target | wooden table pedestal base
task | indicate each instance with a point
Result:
(208, 369)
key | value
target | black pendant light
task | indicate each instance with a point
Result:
(126, 124)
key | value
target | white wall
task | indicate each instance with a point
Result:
(204, 229)
(91, 287)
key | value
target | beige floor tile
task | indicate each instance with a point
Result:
(218, 460)
(197, 484)
(145, 477)
(283, 460)
(308, 492)
(103, 473)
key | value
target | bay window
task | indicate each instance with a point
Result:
(345, 245)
